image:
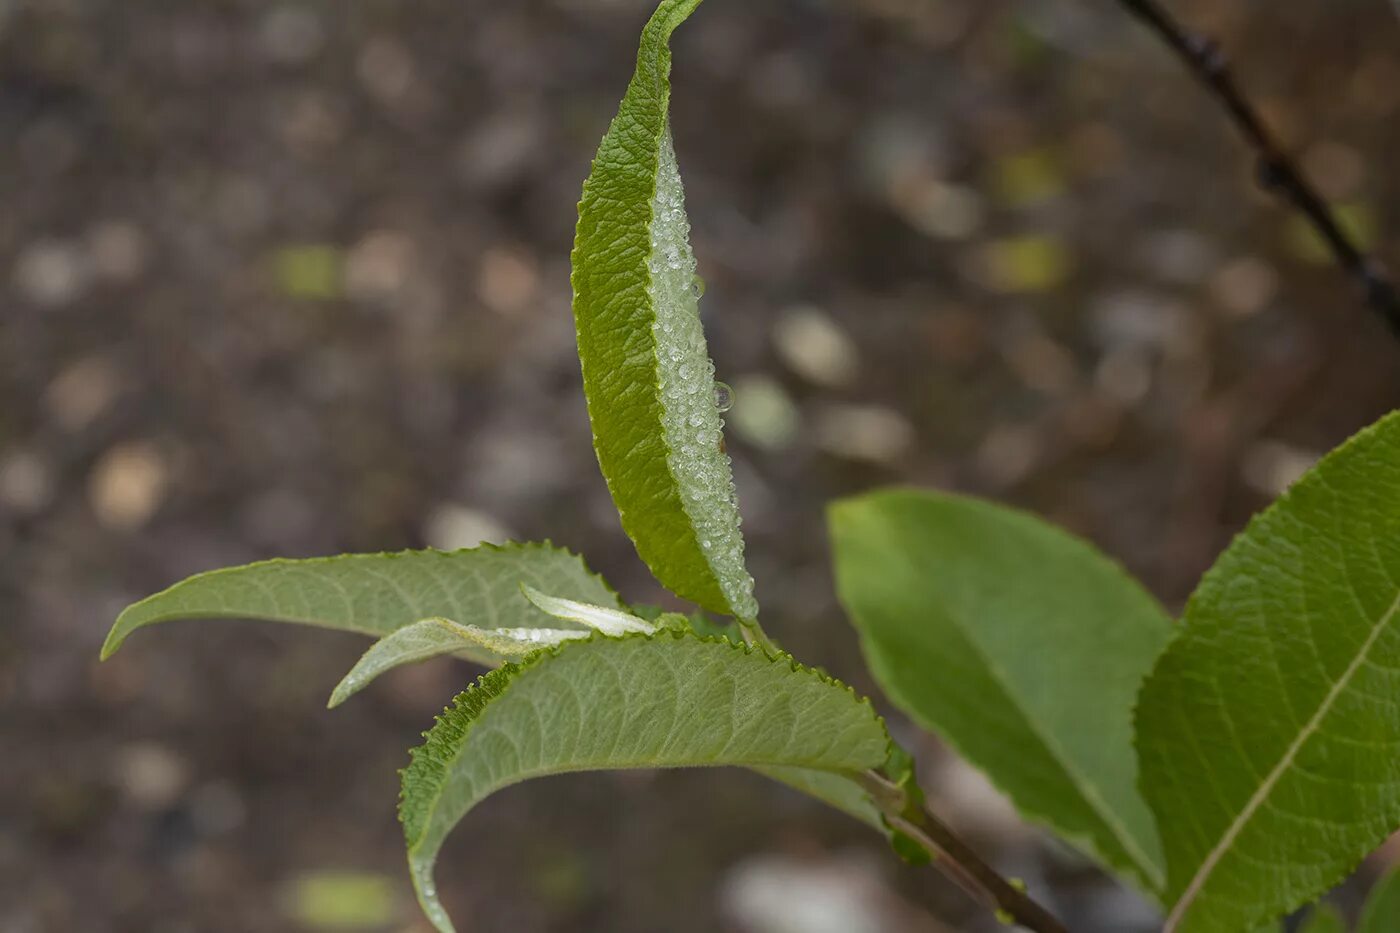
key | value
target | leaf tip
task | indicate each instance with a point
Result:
(114, 640)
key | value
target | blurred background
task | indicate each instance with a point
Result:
(292, 278)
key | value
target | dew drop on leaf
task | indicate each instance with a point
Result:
(697, 287)
(724, 396)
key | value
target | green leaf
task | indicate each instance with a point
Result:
(1268, 732)
(646, 372)
(668, 700)
(1382, 911)
(597, 618)
(375, 594)
(834, 789)
(1019, 644)
(432, 638)
(1324, 918)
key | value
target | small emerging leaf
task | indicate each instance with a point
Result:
(433, 638)
(664, 701)
(1267, 733)
(647, 375)
(375, 594)
(599, 618)
(1019, 644)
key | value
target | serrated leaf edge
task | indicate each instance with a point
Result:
(115, 640)
(430, 763)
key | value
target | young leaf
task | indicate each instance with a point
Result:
(1267, 733)
(1019, 644)
(646, 373)
(432, 638)
(598, 618)
(1382, 911)
(665, 700)
(375, 594)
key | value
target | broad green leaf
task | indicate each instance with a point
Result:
(668, 700)
(1324, 918)
(1268, 732)
(375, 594)
(646, 372)
(1020, 645)
(433, 638)
(1382, 911)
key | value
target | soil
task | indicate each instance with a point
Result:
(292, 279)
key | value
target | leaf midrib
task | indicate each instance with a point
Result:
(1087, 789)
(1266, 787)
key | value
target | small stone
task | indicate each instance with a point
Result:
(451, 526)
(127, 485)
(864, 432)
(151, 776)
(1270, 467)
(82, 392)
(118, 250)
(292, 34)
(52, 273)
(1244, 286)
(507, 281)
(379, 266)
(815, 347)
(26, 486)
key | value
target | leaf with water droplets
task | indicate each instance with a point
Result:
(646, 371)
(377, 594)
(669, 700)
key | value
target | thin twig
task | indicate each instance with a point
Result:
(956, 859)
(1276, 172)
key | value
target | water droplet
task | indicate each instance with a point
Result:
(724, 396)
(697, 287)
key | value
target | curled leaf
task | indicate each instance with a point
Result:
(668, 700)
(647, 375)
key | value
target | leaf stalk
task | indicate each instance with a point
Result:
(956, 859)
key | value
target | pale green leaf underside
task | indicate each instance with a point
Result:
(668, 700)
(646, 370)
(433, 638)
(1018, 643)
(837, 790)
(1269, 732)
(595, 618)
(375, 594)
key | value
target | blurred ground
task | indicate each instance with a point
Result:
(291, 278)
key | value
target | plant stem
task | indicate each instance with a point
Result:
(1276, 172)
(755, 635)
(956, 859)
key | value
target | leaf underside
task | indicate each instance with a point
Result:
(1020, 645)
(433, 638)
(376, 594)
(666, 700)
(647, 375)
(1269, 731)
